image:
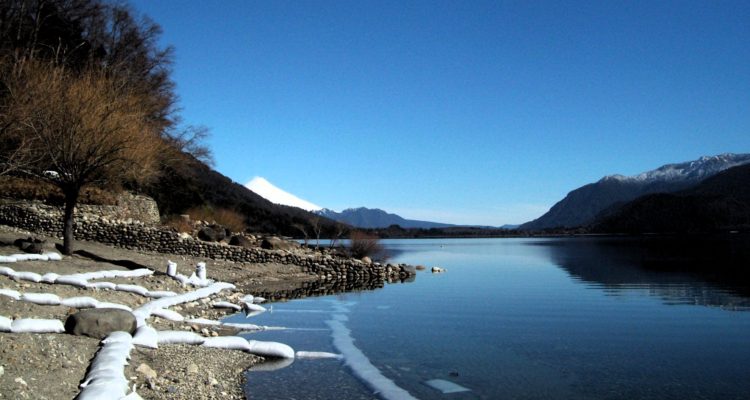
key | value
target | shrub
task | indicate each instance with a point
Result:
(364, 245)
(227, 218)
(179, 224)
(37, 189)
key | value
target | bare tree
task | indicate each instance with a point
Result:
(301, 228)
(83, 128)
(191, 139)
(317, 227)
(337, 231)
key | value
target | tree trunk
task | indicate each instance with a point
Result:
(71, 198)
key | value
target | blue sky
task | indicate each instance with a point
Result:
(463, 112)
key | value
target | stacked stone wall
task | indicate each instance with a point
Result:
(136, 235)
(129, 207)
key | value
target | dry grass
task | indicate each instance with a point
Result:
(37, 189)
(227, 218)
(179, 224)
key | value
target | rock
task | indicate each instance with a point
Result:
(146, 371)
(241, 240)
(21, 381)
(100, 322)
(192, 369)
(208, 234)
(275, 243)
(437, 270)
(409, 269)
(30, 245)
(366, 260)
(420, 267)
(2, 370)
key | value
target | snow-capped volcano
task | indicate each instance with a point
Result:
(276, 195)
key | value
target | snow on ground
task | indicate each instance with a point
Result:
(106, 378)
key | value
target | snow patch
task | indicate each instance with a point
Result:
(361, 365)
(268, 191)
(317, 354)
(28, 325)
(106, 376)
(446, 387)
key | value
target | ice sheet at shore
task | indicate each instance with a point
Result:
(446, 386)
(361, 365)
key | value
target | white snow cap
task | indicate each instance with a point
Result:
(273, 194)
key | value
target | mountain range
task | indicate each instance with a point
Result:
(582, 206)
(718, 203)
(361, 217)
(376, 218)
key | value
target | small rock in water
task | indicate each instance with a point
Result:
(21, 381)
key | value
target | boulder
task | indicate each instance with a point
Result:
(100, 322)
(275, 243)
(212, 233)
(30, 245)
(366, 260)
(241, 240)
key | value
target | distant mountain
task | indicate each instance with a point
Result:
(581, 206)
(719, 203)
(375, 218)
(273, 194)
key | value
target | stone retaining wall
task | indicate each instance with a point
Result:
(129, 207)
(136, 235)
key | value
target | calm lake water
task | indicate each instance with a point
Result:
(575, 318)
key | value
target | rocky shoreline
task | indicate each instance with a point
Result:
(51, 366)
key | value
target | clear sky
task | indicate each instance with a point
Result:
(464, 112)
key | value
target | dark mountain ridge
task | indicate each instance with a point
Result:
(583, 205)
(374, 218)
(719, 203)
(190, 183)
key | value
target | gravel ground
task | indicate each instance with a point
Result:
(51, 366)
(179, 372)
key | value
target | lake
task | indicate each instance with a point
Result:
(571, 318)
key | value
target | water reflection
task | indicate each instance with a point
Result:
(323, 288)
(706, 270)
